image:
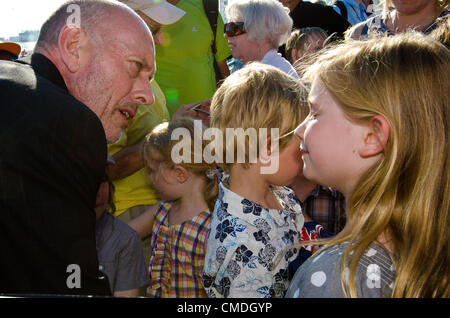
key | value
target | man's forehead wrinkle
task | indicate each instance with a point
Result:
(131, 38)
(116, 43)
(119, 47)
(124, 50)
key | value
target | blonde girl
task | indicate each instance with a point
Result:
(378, 131)
(179, 225)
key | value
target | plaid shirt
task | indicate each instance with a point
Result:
(177, 255)
(326, 207)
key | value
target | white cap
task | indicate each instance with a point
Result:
(159, 10)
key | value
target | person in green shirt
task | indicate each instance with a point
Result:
(185, 62)
(133, 192)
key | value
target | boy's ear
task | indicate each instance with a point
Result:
(181, 173)
(376, 137)
(265, 152)
(69, 43)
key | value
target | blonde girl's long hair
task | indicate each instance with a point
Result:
(406, 194)
(159, 144)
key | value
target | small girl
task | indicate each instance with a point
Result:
(378, 131)
(180, 224)
(304, 43)
(119, 248)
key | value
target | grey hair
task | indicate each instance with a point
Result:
(92, 12)
(263, 20)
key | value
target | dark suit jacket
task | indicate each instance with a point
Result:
(52, 159)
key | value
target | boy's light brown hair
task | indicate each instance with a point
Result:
(258, 96)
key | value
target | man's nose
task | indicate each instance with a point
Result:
(143, 93)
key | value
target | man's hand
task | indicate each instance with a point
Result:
(198, 110)
(127, 161)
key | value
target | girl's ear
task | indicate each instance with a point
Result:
(181, 173)
(294, 56)
(376, 137)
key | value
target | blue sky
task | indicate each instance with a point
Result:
(21, 15)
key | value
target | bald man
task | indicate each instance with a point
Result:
(90, 70)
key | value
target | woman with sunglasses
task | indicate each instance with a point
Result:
(256, 29)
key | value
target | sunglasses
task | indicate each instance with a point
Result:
(234, 28)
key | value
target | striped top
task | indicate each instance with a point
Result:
(177, 255)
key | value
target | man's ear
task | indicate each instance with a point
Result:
(181, 173)
(69, 46)
(376, 137)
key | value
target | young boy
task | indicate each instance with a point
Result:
(119, 247)
(256, 218)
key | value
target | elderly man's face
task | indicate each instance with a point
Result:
(115, 77)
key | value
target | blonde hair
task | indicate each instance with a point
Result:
(442, 31)
(405, 79)
(158, 147)
(299, 38)
(258, 96)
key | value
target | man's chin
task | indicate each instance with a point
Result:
(112, 138)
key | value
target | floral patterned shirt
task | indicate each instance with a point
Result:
(247, 253)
